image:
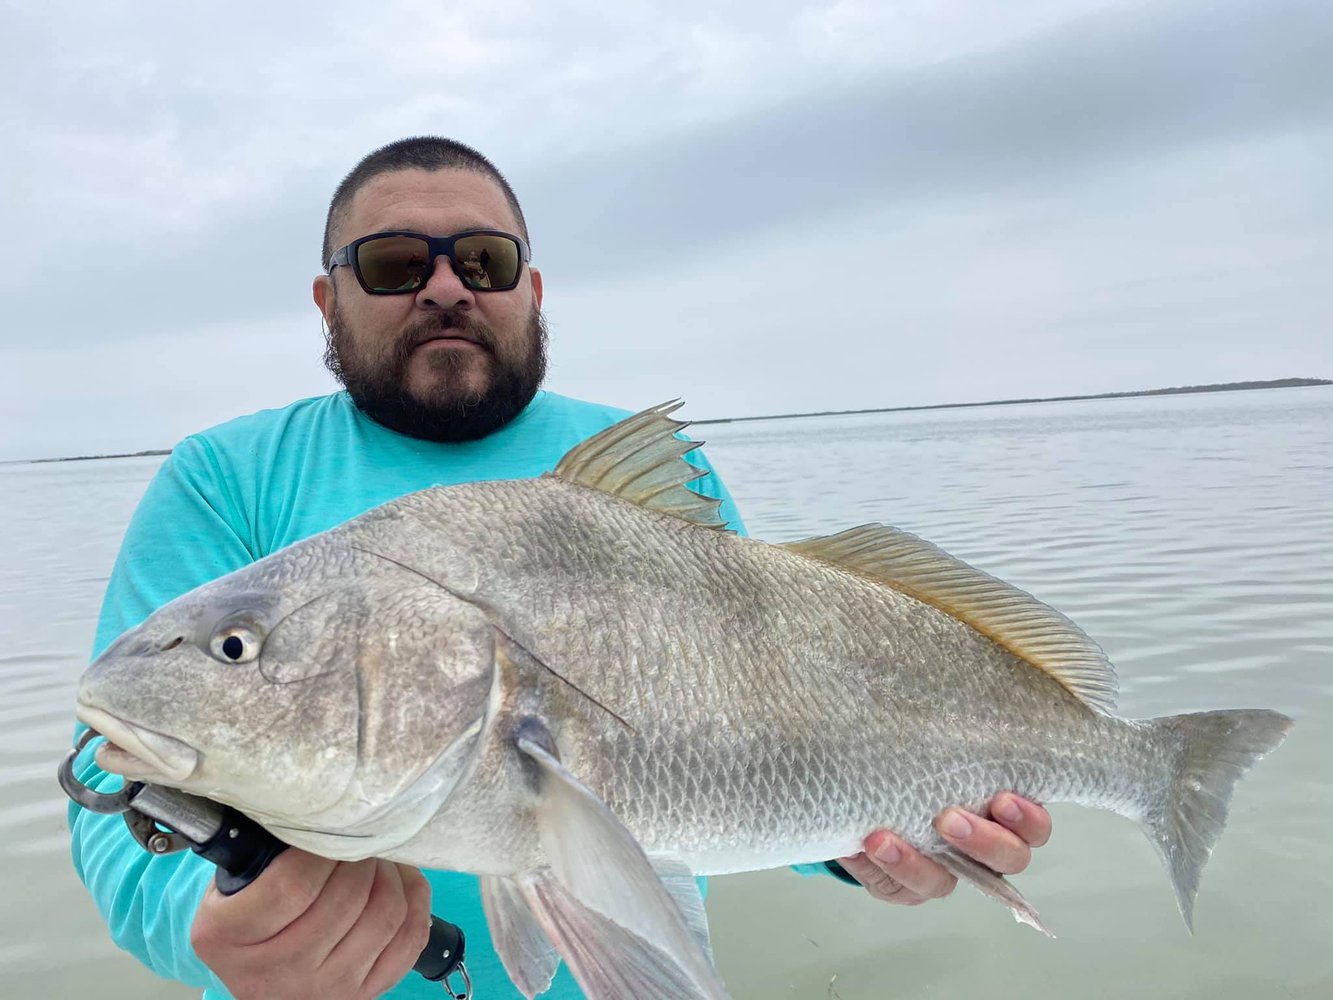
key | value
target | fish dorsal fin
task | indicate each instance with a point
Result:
(1031, 630)
(640, 459)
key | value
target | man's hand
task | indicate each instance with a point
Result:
(309, 927)
(895, 872)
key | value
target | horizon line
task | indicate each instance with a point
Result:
(1281, 383)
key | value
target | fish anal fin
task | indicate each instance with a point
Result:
(992, 883)
(1034, 632)
(641, 460)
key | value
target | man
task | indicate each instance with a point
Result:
(435, 330)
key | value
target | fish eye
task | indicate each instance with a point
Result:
(235, 644)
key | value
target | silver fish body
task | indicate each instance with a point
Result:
(759, 708)
(543, 681)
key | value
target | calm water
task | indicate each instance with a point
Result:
(1192, 536)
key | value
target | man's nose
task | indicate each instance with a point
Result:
(443, 289)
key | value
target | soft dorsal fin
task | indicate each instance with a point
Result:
(1013, 618)
(640, 459)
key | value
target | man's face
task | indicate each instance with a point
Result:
(444, 362)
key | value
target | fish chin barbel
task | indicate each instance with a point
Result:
(239, 846)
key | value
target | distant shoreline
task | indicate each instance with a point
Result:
(1281, 383)
(1184, 390)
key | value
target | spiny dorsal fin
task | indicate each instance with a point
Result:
(640, 459)
(1011, 617)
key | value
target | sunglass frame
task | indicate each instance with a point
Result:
(436, 246)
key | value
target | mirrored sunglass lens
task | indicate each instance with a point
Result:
(487, 261)
(394, 263)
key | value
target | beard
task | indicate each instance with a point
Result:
(449, 412)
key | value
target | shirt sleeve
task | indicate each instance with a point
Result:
(185, 532)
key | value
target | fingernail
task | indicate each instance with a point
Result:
(1007, 808)
(888, 853)
(955, 825)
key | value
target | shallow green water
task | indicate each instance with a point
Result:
(1192, 536)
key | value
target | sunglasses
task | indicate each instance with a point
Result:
(397, 263)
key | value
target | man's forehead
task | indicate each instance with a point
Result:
(433, 201)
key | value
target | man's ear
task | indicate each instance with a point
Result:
(536, 285)
(324, 296)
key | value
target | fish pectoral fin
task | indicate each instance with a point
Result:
(609, 961)
(992, 883)
(524, 948)
(599, 866)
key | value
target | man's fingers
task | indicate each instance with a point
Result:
(908, 866)
(1027, 819)
(322, 928)
(401, 953)
(878, 882)
(894, 871)
(378, 924)
(359, 935)
(285, 890)
(983, 840)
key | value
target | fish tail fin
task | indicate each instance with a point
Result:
(1210, 751)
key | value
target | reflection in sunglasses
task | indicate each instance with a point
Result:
(476, 269)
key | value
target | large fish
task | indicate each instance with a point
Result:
(584, 690)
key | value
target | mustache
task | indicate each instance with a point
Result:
(452, 322)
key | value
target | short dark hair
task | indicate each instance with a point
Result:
(423, 152)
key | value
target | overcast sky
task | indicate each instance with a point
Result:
(758, 206)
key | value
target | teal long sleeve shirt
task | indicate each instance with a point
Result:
(234, 494)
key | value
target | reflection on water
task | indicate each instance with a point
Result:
(1192, 536)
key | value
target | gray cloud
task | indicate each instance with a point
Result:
(1111, 87)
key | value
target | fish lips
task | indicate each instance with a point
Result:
(138, 753)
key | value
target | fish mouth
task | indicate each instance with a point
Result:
(138, 753)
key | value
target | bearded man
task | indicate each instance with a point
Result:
(436, 333)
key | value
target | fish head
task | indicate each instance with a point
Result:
(313, 690)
